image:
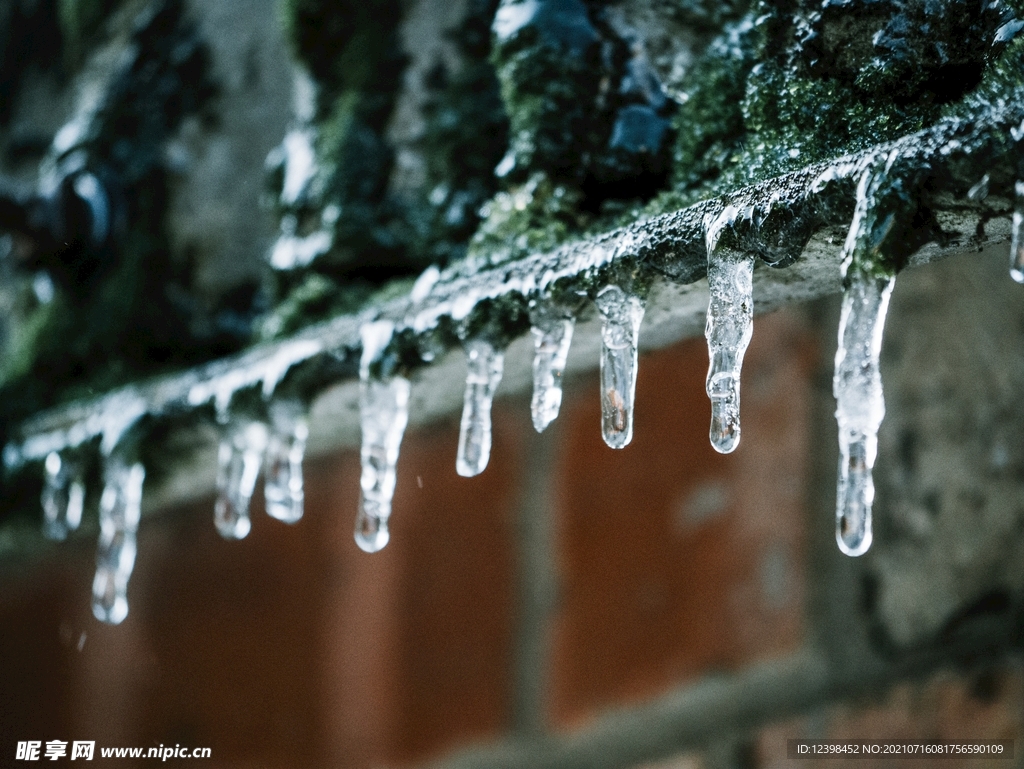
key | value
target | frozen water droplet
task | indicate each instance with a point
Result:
(552, 335)
(239, 459)
(980, 190)
(120, 507)
(484, 368)
(383, 414)
(286, 446)
(1017, 238)
(372, 533)
(424, 283)
(63, 496)
(621, 315)
(860, 406)
(730, 323)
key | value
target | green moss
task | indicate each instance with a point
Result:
(710, 121)
(112, 319)
(800, 82)
(317, 296)
(348, 45)
(878, 250)
(582, 107)
(355, 163)
(79, 21)
(30, 36)
(464, 138)
(36, 327)
(380, 233)
(498, 320)
(531, 218)
(705, 15)
(548, 93)
(1005, 75)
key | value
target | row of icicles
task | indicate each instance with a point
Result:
(275, 447)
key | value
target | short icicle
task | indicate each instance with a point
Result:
(384, 413)
(239, 459)
(1017, 237)
(552, 335)
(286, 447)
(120, 508)
(63, 495)
(485, 365)
(730, 323)
(621, 315)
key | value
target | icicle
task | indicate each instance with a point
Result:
(552, 335)
(857, 384)
(283, 487)
(1017, 238)
(621, 315)
(120, 507)
(980, 190)
(63, 496)
(384, 413)
(239, 458)
(859, 405)
(485, 366)
(730, 323)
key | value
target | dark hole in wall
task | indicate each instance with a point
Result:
(950, 82)
(909, 441)
(869, 593)
(987, 685)
(986, 616)
(638, 188)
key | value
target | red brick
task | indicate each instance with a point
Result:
(677, 560)
(292, 646)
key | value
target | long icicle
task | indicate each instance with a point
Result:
(63, 495)
(120, 508)
(484, 365)
(384, 413)
(857, 383)
(239, 459)
(621, 315)
(730, 324)
(1017, 237)
(286, 447)
(860, 406)
(552, 336)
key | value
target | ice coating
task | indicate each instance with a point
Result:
(552, 335)
(730, 323)
(1017, 237)
(286, 447)
(426, 281)
(299, 164)
(621, 315)
(63, 495)
(258, 367)
(860, 407)
(239, 458)
(383, 415)
(120, 508)
(484, 366)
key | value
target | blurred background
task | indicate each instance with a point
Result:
(257, 166)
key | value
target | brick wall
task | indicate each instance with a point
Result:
(662, 606)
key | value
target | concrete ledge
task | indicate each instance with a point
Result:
(669, 247)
